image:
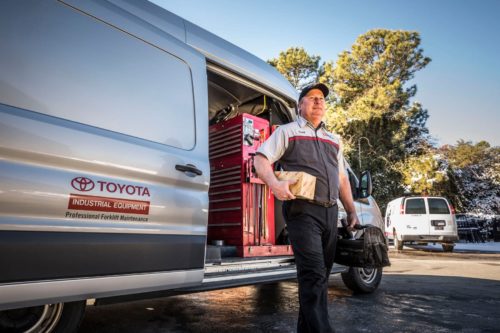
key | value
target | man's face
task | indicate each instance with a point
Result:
(312, 106)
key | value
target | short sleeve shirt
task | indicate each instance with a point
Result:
(298, 146)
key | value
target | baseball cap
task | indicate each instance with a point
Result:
(320, 86)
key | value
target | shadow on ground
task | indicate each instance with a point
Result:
(403, 303)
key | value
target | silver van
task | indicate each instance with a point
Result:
(105, 108)
(421, 220)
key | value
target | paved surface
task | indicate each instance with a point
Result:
(423, 291)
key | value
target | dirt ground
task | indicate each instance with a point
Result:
(423, 291)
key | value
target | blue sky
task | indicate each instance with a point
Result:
(460, 87)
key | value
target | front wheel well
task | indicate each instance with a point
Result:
(54, 318)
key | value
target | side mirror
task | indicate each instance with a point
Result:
(365, 185)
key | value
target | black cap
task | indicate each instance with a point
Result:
(320, 86)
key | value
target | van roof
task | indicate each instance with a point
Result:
(423, 196)
(215, 49)
(416, 196)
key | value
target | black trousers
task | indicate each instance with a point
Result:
(312, 230)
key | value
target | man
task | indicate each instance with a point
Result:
(306, 145)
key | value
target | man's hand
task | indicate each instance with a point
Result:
(281, 189)
(352, 220)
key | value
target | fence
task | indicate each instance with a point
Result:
(477, 229)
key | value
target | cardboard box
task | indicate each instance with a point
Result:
(304, 187)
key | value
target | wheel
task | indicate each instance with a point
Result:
(398, 244)
(362, 280)
(448, 247)
(56, 318)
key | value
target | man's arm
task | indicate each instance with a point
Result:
(280, 188)
(346, 199)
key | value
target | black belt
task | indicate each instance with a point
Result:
(323, 204)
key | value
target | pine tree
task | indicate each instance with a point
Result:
(372, 105)
(297, 66)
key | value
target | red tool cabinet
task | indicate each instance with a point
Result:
(241, 211)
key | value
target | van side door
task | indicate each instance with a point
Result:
(104, 167)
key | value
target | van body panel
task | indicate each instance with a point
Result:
(370, 212)
(39, 167)
(238, 60)
(45, 292)
(149, 20)
(214, 48)
(35, 256)
(69, 172)
(150, 13)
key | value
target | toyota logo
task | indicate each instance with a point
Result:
(82, 184)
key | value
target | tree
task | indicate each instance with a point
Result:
(417, 138)
(379, 58)
(465, 153)
(372, 101)
(297, 66)
(475, 169)
(424, 174)
(326, 77)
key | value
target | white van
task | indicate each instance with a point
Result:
(422, 220)
(106, 175)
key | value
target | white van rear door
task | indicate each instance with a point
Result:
(440, 218)
(415, 221)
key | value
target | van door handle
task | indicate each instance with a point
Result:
(189, 169)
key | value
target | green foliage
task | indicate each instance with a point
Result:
(385, 132)
(465, 153)
(379, 58)
(297, 66)
(372, 101)
(417, 138)
(424, 173)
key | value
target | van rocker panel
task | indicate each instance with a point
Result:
(34, 256)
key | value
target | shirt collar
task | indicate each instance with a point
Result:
(303, 122)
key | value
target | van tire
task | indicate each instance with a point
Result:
(448, 247)
(398, 244)
(362, 280)
(54, 318)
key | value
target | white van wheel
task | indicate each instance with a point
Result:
(59, 317)
(362, 280)
(448, 247)
(398, 244)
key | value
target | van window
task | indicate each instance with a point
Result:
(415, 206)
(353, 180)
(94, 74)
(438, 206)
